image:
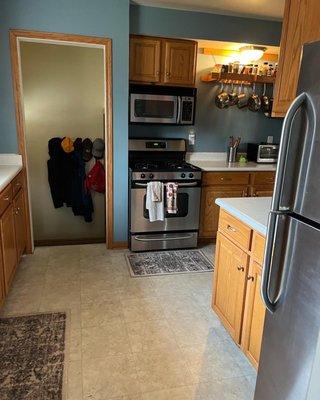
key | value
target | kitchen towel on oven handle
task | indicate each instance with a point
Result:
(155, 201)
(171, 197)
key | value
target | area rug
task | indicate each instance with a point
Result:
(168, 262)
(32, 356)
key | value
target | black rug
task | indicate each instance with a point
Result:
(32, 356)
(168, 262)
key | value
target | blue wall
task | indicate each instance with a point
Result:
(213, 126)
(108, 18)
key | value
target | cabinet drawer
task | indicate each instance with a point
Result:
(17, 183)
(5, 198)
(264, 178)
(235, 229)
(257, 250)
(225, 178)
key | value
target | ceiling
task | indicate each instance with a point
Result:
(265, 9)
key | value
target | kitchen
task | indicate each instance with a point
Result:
(170, 343)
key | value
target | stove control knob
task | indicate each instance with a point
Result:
(151, 176)
(191, 175)
(183, 175)
(142, 176)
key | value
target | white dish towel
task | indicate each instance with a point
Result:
(155, 201)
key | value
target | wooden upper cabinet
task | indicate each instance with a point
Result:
(301, 24)
(20, 223)
(145, 59)
(162, 61)
(179, 62)
(254, 315)
(230, 275)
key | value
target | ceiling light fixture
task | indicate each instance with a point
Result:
(252, 53)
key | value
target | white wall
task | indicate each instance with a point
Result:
(63, 89)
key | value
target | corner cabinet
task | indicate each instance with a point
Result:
(236, 284)
(162, 61)
(13, 234)
(300, 25)
(229, 184)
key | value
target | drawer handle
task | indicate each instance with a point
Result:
(231, 228)
(17, 210)
(226, 179)
(240, 268)
(250, 278)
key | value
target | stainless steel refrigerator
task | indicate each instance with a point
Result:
(289, 366)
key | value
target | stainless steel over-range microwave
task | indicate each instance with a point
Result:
(150, 104)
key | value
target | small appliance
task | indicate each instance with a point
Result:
(150, 104)
(263, 152)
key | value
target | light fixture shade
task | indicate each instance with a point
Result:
(251, 53)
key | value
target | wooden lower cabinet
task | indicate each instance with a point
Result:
(253, 316)
(229, 285)
(229, 184)
(8, 245)
(210, 210)
(236, 295)
(2, 282)
(20, 224)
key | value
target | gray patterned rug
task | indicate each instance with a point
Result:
(168, 262)
(32, 356)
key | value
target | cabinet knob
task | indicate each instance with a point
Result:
(157, 73)
(231, 228)
(7, 198)
(239, 268)
(168, 73)
(250, 278)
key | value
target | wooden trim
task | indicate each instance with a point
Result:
(15, 35)
(119, 245)
(67, 242)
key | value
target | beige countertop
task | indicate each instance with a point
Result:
(10, 166)
(220, 165)
(253, 211)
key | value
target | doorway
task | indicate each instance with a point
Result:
(62, 89)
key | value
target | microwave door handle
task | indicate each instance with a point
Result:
(179, 109)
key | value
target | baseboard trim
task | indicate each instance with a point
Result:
(68, 242)
(119, 245)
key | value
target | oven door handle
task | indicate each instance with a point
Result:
(144, 239)
(191, 184)
(179, 109)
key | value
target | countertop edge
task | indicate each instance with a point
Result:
(10, 175)
(256, 226)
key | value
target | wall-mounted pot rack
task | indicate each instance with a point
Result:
(237, 78)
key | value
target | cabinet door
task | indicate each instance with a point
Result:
(145, 59)
(2, 283)
(261, 191)
(300, 25)
(179, 62)
(8, 243)
(210, 210)
(231, 265)
(20, 223)
(254, 315)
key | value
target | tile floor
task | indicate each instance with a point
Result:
(132, 338)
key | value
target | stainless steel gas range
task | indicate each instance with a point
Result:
(162, 160)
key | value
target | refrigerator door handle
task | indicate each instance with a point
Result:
(272, 258)
(283, 150)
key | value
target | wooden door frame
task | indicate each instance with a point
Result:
(16, 36)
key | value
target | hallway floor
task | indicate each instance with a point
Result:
(132, 338)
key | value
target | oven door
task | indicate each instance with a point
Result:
(187, 217)
(153, 109)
